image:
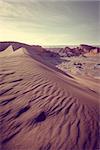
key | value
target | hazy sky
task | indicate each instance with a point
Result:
(50, 22)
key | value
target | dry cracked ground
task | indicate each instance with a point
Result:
(42, 109)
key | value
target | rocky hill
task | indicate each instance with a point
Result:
(17, 45)
(80, 50)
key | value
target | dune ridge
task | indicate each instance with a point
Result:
(42, 109)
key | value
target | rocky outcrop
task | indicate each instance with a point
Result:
(81, 50)
(87, 47)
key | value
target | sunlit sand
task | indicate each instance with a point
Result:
(44, 107)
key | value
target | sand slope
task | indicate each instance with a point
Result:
(42, 109)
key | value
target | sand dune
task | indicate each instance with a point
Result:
(7, 52)
(43, 109)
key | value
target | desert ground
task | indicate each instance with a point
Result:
(46, 105)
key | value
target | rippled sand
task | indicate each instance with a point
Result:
(43, 109)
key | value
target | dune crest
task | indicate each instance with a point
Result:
(7, 52)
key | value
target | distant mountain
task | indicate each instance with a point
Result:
(83, 49)
(80, 50)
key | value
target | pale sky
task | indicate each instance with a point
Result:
(50, 22)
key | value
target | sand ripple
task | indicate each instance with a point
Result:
(42, 110)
